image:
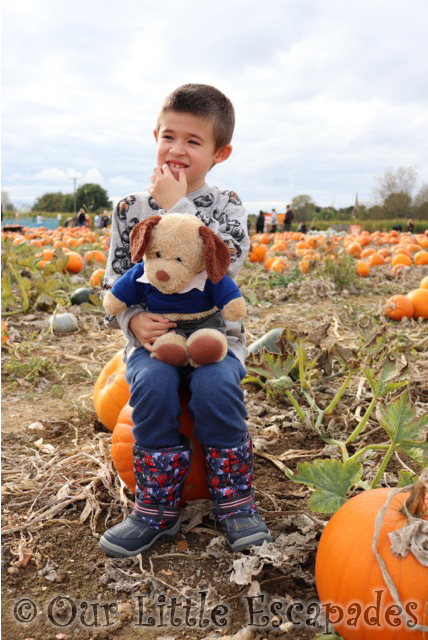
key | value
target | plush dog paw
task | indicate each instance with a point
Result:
(171, 348)
(206, 346)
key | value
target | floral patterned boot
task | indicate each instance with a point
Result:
(229, 475)
(159, 479)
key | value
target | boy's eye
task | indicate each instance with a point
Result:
(193, 142)
(179, 260)
(158, 254)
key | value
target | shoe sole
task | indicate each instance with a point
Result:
(256, 539)
(117, 551)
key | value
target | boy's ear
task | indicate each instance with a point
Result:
(223, 153)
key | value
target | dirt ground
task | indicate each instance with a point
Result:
(58, 476)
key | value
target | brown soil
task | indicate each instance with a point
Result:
(60, 554)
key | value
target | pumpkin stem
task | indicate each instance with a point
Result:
(415, 502)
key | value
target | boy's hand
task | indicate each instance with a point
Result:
(165, 189)
(147, 327)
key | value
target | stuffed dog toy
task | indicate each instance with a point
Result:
(183, 277)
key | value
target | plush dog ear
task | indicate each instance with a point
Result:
(217, 255)
(139, 237)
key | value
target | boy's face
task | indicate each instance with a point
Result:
(186, 143)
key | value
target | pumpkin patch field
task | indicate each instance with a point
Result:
(336, 390)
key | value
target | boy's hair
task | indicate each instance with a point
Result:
(203, 101)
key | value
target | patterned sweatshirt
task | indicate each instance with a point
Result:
(221, 211)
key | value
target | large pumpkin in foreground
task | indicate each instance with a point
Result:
(111, 391)
(195, 485)
(348, 576)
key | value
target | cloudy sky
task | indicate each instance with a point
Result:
(328, 93)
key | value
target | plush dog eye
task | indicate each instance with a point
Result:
(179, 259)
(158, 254)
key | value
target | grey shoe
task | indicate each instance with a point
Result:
(134, 535)
(241, 529)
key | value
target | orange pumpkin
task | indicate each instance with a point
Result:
(375, 260)
(424, 283)
(362, 268)
(111, 391)
(257, 253)
(401, 258)
(398, 307)
(419, 297)
(75, 262)
(195, 486)
(278, 265)
(347, 571)
(354, 249)
(95, 256)
(421, 258)
(96, 277)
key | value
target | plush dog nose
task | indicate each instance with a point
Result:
(162, 276)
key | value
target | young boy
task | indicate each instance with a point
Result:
(193, 133)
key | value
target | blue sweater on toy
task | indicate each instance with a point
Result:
(130, 291)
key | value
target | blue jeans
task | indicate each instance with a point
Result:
(216, 403)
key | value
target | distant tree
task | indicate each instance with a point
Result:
(376, 212)
(420, 203)
(91, 197)
(397, 204)
(6, 204)
(325, 213)
(68, 203)
(303, 207)
(401, 180)
(363, 213)
(49, 202)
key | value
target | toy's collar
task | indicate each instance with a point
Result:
(198, 281)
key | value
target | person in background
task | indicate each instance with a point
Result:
(260, 222)
(396, 227)
(105, 221)
(288, 218)
(58, 219)
(39, 219)
(81, 218)
(410, 225)
(97, 220)
(302, 227)
(273, 221)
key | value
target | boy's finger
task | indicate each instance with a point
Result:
(182, 177)
(155, 317)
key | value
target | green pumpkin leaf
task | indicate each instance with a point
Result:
(331, 480)
(269, 366)
(418, 452)
(405, 478)
(388, 379)
(399, 420)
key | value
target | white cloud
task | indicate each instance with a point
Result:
(52, 176)
(325, 98)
